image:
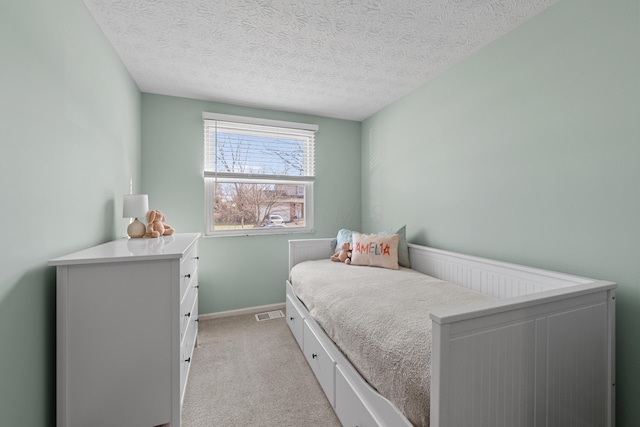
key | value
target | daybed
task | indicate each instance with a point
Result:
(535, 349)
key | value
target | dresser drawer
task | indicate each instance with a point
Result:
(295, 320)
(322, 365)
(188, 267)
(186, 349)
(192, 328)
(185, 364)
(189, 286)
(187, 309)
(349, 408)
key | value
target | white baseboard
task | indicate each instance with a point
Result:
(240, 311)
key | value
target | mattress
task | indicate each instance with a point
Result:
(379, 319)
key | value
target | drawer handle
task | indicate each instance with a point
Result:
(197, 286)
(188, 314)
(188, 360)
(197, 257)
(313, 356)
(291, 318)
(187, 275)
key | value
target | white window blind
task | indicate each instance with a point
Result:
(258, 174)
(234, 149)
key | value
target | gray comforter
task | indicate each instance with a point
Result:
(379, 318)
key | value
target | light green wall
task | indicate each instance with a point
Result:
(241, 272)
(529, 152)
(70, 143)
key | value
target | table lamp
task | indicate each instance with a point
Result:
(134, 206)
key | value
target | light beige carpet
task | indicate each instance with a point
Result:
(248, 373)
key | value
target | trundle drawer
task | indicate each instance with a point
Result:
(322, 365)
(295, 321)
(349, 408)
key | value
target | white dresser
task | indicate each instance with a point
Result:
(127, 315)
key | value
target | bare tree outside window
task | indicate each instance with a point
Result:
(243, 205)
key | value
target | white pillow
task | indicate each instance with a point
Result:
(375, 250)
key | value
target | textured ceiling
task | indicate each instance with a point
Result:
(336, 58)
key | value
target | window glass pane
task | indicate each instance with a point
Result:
(239, 153)
(241, 205)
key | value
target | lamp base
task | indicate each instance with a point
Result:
(136, 229)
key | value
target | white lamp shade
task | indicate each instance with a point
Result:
(135, 205)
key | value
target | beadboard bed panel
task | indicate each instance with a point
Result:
(542, 354)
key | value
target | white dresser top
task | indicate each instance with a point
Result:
(126, 249)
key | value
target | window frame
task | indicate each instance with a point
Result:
(212, 177)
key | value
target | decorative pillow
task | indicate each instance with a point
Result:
(345, 235)
(375, 250)
(403, 248)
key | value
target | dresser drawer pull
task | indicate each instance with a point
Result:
(188, 360)
(187, 275)
(188, 314)
(197, 257)
(292, 318)
(313, 356)
(197, 286)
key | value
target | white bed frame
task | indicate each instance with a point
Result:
(540, 355)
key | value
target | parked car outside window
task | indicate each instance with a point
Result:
(275, 219)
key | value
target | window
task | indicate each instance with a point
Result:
(258, 175)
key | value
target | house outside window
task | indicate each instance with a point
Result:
(258, 175)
